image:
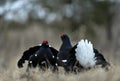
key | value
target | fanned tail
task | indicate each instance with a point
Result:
(85, 53)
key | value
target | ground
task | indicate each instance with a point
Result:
(13, 44)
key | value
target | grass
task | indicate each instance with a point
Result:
(97, 74)
(13, 43)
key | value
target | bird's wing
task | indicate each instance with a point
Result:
(98, 55)
(54, 51)
(30, 52)
(100, 58)
(27, 54)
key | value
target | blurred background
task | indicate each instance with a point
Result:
(25, 23)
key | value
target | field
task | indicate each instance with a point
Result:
(13, 43)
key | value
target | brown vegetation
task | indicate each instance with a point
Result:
(13, 43)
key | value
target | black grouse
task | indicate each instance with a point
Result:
(64, 49)
(45, 54)
(32, 51)
(65, 57)
(83, 55)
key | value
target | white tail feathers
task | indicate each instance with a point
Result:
(85, 54)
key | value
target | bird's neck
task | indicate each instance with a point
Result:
(65, 45)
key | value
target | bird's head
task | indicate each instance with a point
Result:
(64, 37)
(65, 41)
(45, 43)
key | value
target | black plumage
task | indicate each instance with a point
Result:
(44, 54)
(26, 55)
(65, 47)
(71, 57)
(65, 56)
(100, 59)
(39, 55)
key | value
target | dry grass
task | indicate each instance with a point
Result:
(97, 74)
(13, 43)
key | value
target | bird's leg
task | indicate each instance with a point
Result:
(48, 63)
(27, 70)
(42, 66)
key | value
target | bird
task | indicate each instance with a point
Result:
(64, 49)
(45, 54)
(64, 55)
(88, 56)
(31, 53)
(82, 55)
